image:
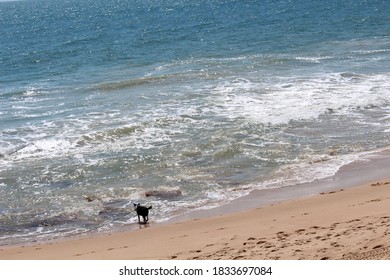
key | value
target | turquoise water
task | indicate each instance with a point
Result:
(102, 101)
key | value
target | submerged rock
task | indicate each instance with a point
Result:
(164, 193)
(91, 198)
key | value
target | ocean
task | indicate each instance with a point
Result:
(182, 105)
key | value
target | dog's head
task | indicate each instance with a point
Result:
(139, 207)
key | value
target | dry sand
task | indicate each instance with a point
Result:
(342, 224)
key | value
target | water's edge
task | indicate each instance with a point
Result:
(368, 168)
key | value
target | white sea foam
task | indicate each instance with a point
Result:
(300, 98)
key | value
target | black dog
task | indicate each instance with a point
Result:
(142, 211)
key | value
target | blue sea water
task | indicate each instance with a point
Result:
(102, 101)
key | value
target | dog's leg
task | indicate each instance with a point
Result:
(139, 220)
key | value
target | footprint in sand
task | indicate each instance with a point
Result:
(333, 226)
(331, 192)
(335, 244)
(282, 235)
(234, 237)
(379, 184)
(249, 239)
(196, 251)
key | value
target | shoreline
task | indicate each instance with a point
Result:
(266, 224)
(367, 168)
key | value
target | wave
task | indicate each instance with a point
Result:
(300, 97)
(204, 69)
(137, 82)
(14, 150)
(108, 135)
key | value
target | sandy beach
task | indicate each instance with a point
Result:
(341, 224)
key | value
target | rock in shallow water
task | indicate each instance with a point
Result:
(164, 193)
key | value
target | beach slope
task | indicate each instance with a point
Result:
(344, 224)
